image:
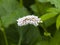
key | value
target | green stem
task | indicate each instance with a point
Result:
(45, 29)
(20, 40)
(2, 29)
(21, 36)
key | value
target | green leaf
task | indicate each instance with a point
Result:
(43, 0)
(34, 8)
(40, 8)
(53, 10)
(12, 17)
(10, 12)
(30, 35)
(56, 3)
(48, 22)
(12, 34)
(9, 5)
(42, 42)
(56, 39)
(58, 22)
(48, 16)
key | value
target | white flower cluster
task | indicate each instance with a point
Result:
(30, 19)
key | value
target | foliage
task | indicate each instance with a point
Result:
(47, 33)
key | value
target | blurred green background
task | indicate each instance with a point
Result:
(47, 33)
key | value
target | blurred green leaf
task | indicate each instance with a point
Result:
(11, 18)
(10, 12)
(43, 0)
(48, 16)
(58, 22)
(56, 39)
(53, 10)
(48, 22)
(40, 8)
(56, 3)
(42, 42)
(12, 34)
(31, 35)
(9, 5)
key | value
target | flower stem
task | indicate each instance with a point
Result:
(45, 30)
(20, 40)
(21, 36)
(2, 29)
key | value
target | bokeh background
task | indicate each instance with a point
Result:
(47, 33)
